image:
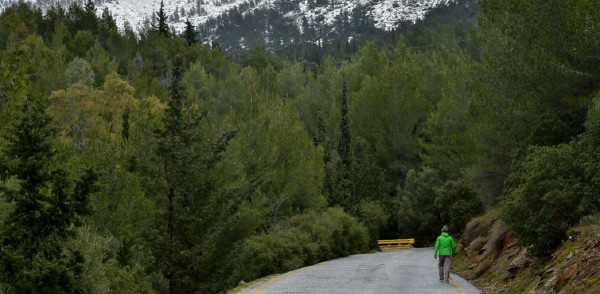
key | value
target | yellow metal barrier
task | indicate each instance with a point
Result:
(396, 244)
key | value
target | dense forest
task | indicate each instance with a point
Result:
(153, 163)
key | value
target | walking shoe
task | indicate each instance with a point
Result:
(446, 281)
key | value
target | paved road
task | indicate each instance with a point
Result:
(398, 271)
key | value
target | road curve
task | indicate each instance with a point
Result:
(396, 271)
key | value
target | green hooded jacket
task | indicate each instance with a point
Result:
(444, 245)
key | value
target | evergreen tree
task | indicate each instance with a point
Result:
(341, 185)
(344, 143)
(90, 21)
(90, 6)
(12, 89)
(187, 148)
(417, 214)
(161, 17)
(125, 129)
(319, 137)
(174, 143)
(46, 206)
(107, 25)
(190, 32)
(536, 73)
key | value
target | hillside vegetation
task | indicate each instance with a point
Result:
(155, 164)
(491, 258)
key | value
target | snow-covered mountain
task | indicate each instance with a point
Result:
(276, 24)
(139, 13)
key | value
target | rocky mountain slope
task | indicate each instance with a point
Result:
(491, 257)
(138, 13)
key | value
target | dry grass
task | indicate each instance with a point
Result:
(480, 226)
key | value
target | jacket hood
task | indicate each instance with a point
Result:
(445, 235)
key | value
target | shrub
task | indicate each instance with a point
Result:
(458, 203)
(374, 218)
(335, 233)
(543, 197)
(588, 147)
(101, 272)
(305, 240)
(275, 252)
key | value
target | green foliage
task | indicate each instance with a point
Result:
(216, 63)
(206, 158)
(398, 99)
(48, 203)
(291, 80)
(161, 18)
(45, 69)
(374, 218)
(83, 41)
(458, 203)
(531, 65)
(101, 63)
(554, 187)
(100, 271)
(190, 33)
(80, 71)
(187, 147)
(336, 233)
(18, 18)
(543, 197)
(276, 252)
(283, 167)
(417, 213)
(446, 144)
(12, 94)
(587, 150)
(311, 237)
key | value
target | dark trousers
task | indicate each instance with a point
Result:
(444, 266)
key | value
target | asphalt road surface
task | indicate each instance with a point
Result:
(395, 271)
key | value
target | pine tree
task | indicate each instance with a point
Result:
(161, 17)
(186, 151)
(90, 7)
(46, 207)
(125, 130)
(339, 173)
(91, 20)
(176, 150)
(190, 32)
(344, 143)
(319, 137)
(173, 143)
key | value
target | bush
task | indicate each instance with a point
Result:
(335, 233)
(305, 240)
(275, 252)
(374, 218)
(543, 197)
(101, 272)
(588, 147)
(458, 203)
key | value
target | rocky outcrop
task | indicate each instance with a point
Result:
(493, 260)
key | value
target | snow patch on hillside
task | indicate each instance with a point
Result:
(140, 13)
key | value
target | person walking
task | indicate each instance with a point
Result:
(445, 248)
